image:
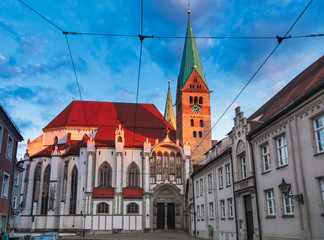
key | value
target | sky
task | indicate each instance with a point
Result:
(36, 75)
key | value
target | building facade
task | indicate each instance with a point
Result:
(9, 138)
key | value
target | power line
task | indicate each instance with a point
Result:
(248, 82)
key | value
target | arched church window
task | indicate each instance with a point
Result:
(178, 168)
(152, 167)
(196, 100)
(74, 186)
(37, 177)
(200, 134)
(195, 79)
(103, 208)
(119, 139)
(165, 165)
(190, 99)
(55, 141)
(105, 175)
(201, 123)
(45, 191)
(159, 163)
(192, 122)
(194, 134)
(200, 100)
(133, 175)
(172, 165)
(132, 208)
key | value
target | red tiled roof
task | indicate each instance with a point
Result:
(196, 167)
(132, 192)
(72, 149)
(103, 192)
(106, 116)
(310, 79)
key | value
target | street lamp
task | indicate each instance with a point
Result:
(285, 188)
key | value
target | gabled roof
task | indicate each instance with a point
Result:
(169, 112)
(305, 84)
(106, 117)
(190, 59)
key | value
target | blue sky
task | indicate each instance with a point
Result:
(37, 80)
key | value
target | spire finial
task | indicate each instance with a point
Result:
(169, 81)
(189, 9)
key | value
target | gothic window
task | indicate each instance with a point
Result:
(165, 165)
(119, 139)
(159, 163)
(37, 177)
(132, 208)
(103, 208)
(178, 168)
(201, 100)
(201, 123)
(190, 99)
(65, 176)
(195, 100)
(74, 185)
(172, 163)
(194, 134)
(105, 175)
(152, 166)
(55, 141)
(200, 134)
(133, 175)
(46, 181)
(192, 122)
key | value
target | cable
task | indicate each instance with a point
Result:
(76, 79)
(279, 41)
(41, 16)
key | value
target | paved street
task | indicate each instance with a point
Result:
(136, 236)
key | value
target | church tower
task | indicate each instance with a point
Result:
(193, 101)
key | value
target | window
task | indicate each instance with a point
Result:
(201, 187)
(159, 163)
(74, 188)
(221, 178)
(228, 175)
(322, 188)
(132, 208)
(211, 210)
(192, 122)
(266, 158)
(1, 135)
(14, 202)
(133, 175)
(103, 207)
(198, 212)
(194, 134)
(195, 100)
(270, 203)
(244, 169)
(282, 151)
(222, 205)
(230, 207)
(288, 205)
(197, 189)
(195, 79)
(45, 190)
(200, 98)
(55, 142)
(105, 175)
(319, 133)
(5, 185)
(202, 212)
(210, 183)
(17, 178)
(9, 147)
(190, 99)
(201, 123)
(200, 134)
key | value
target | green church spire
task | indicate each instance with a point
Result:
(169, 112)
(190, 58)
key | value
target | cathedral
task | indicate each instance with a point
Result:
(120, 167)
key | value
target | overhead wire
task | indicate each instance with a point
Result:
(249, 81)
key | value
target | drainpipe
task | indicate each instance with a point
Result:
(234, 197)
(255, 187)
(194, 207)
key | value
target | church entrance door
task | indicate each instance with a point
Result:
(171, 216)
(160, 216)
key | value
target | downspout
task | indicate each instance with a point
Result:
(235, 211)
(193, 200)
(255, 187)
